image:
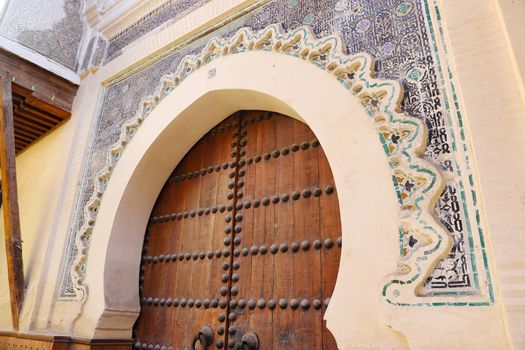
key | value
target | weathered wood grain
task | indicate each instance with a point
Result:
(13, 238)
(263, 276)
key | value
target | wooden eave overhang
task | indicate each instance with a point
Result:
(41, 100)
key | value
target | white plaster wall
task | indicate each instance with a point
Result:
(495, 111)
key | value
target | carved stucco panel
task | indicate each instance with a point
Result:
(54, 28)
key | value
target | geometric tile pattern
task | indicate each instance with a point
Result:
(396, 34)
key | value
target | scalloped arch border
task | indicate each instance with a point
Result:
(417, 183)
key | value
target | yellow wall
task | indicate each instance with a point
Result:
(40, 176)
(47, 176)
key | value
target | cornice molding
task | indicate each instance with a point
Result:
(112, 17)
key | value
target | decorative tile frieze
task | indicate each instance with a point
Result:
(378, 98)
(399, 35)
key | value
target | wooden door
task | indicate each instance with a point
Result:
(243, 245)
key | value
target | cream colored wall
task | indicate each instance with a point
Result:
(495, 111)
(512, 13)
(40, 183)
(48, 174)
(39, 175)
(5, 306)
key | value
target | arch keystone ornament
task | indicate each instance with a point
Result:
(417, 183)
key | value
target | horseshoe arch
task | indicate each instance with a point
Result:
(179, 100)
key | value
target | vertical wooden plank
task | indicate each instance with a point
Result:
(185, 275)
(253, 270)
(330, 229)
(284, 276)
(306, 264)
(243, 266)
(13, 240)
(295, 272)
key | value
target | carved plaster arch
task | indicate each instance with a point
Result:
(417, 183)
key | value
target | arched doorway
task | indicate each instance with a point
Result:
(243, 243)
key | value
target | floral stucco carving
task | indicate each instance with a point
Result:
(417, 183)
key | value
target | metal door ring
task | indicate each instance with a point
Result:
(250, 341)
(205, 337)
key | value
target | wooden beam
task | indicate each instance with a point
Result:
(23, 139)
(54, 119)
(46, 107)
(36, 107)
(31, 136)
(45, 86)
(21, 122)
(13, 239)
(29, 115)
